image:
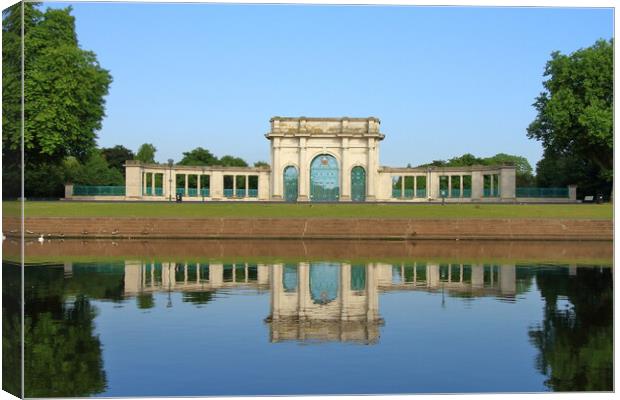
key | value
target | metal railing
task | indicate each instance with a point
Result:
(83, 190)
(204, 192)
(542, 192)
(420, 193)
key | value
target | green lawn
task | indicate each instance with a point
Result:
(271, 210)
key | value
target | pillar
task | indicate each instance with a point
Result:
(133, 272)
(345, 171)
(276, 171)
(152, 184)
(276, 290)
(69, 190)
(303, 170)
(303, 290)
(216, 189)
(133, 179)
(234, 186)
(461, 185)
(216, 275)
(508, 279)
(572, 192)
(477, 185)
(345, 291)
(247, 185)
(507, 183)
(372, 169)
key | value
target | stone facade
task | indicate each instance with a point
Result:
(318, 159)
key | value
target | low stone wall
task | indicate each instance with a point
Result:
(314, 228)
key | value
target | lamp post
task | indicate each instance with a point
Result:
(170, 162)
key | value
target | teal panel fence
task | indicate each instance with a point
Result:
(409, 193)
(487, 192)
(228, 193)
(420, 193)
(240, 192)
(466, 192)
(159, 191)
(192, 192)
(181, 191)
(79, 190)
(542, 192)
(252, 192)
(455, 193)
(396, 193)
(204, 192)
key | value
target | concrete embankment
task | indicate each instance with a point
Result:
(313, 228)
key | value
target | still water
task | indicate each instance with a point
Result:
(164, 328)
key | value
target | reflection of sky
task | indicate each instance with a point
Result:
(222, 347)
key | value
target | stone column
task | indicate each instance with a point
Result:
(432, 274)
(276, 290)
(234, 186)
(69, 190)
(247, 185)
(572, 192)
(217, 185)
(145, 176)
(507, 183)
(302, 170)
(133, 274)
(262, 272)
(372, 293)
(216, 275)
(276, 170)
(133, 180)
(345, 174)
(477, 185)
(152, 183)
(461, 185)
(263, 186)
(449, 194)
(372, 169)
(186, 184)
(415, 186)
(345, 291)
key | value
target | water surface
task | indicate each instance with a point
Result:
(169, 328)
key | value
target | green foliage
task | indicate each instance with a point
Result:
(64, 97)
(116, 157)
(11, 328)
(146, 153)
(261, 164)
(576, 343)
(94, 172)
(198, 156)
(230, 161)
(575, 112)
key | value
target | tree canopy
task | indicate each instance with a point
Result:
(575, 112)
(64, 97)
(116, 156)
(198, 156)
(146, 153)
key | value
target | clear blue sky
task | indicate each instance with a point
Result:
(443, 81)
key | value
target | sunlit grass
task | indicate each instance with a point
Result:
(279, 210)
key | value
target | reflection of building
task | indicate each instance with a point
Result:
(324, 301)
(143, 277)
(316, 159)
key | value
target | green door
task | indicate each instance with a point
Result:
(291, 183)
(324, 178)
(358, 184)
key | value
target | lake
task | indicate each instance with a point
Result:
(137, 322)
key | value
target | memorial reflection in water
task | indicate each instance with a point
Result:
(323, 301)
(385, 321)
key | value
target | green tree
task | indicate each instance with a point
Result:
(116, 157)
(64, 90)
(261, 164)
(198, 156)
(146, 153)
(575, 111)
(230, 161)
(94, 172)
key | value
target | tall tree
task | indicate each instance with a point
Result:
(64, 91)
(198, 156)
(146, 153)
(116, 157)
(230, 161)
(575, 111)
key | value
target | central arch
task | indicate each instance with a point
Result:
(324, 178)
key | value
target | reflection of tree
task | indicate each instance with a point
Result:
(575, 343)
(145, 300)
(197, 297)
(11, 328)
(62, 356)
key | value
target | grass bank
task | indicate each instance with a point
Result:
(280, 210)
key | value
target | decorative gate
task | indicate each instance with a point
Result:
(358, 184)
(324, 182)
(291, 183)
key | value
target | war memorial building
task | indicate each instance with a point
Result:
(319, 160)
